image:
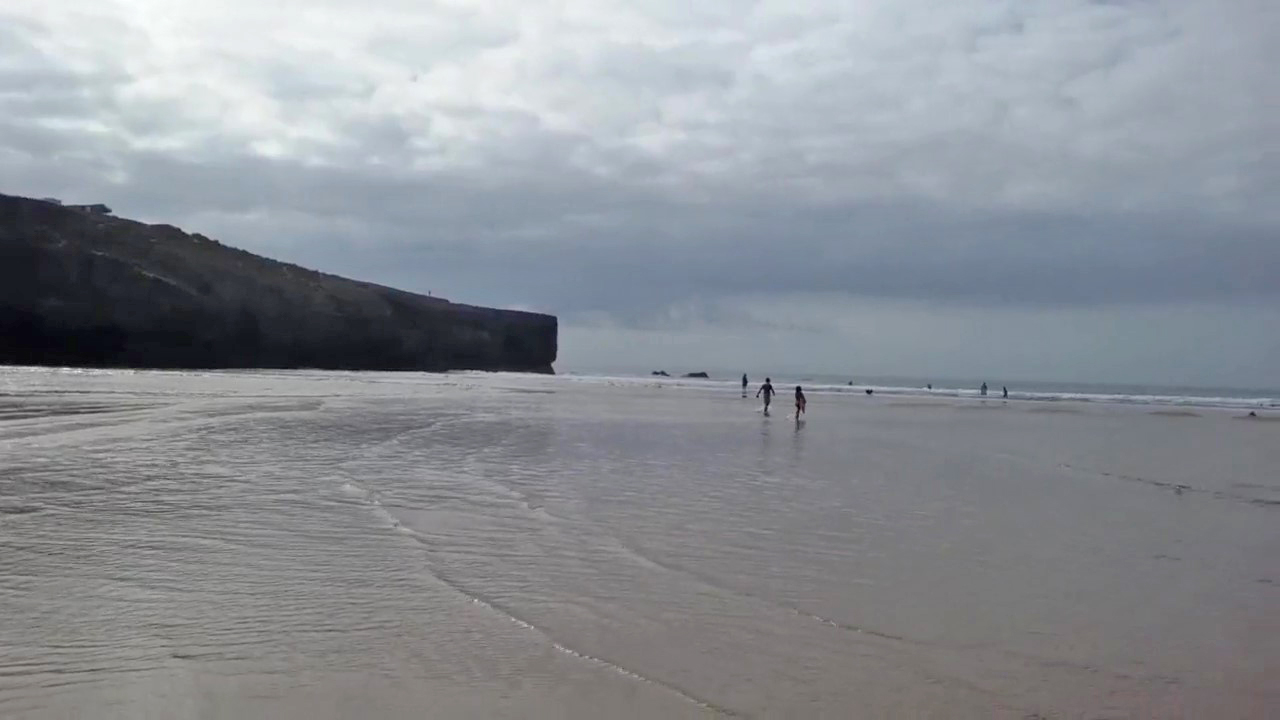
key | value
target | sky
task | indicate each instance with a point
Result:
(1007, 189)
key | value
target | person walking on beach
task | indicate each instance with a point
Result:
(767, 391)
(1005, 390)
(744, 384)
(800, 402)
(983, 390)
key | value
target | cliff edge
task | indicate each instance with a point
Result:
(81, 287)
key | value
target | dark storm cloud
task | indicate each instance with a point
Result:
(520, 242)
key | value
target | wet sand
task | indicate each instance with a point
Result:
(326, 545)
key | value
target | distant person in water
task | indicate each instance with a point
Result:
(983, 390)
(767, 391)
(1005, 392)
(800, 402)
(744, 384)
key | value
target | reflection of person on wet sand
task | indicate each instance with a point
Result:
(767, 390)
(800, 403)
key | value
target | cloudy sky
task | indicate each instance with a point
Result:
(1008, 189)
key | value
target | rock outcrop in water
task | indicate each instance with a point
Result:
(88, 289)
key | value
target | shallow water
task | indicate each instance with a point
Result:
(325, 545)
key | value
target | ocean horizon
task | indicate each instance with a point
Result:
(1041, 390)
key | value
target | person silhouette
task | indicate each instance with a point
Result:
(767, 391)
(800, 402)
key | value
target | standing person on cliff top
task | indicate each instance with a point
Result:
(767, 390)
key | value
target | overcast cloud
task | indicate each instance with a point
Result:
(984, 188)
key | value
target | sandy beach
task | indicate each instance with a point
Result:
(336, 545)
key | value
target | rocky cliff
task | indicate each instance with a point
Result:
(81, 287)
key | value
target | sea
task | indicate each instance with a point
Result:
(315, 545)
(1038, 390)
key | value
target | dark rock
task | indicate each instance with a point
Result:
(869, 391)
(94, 290)
(660, 373)
(697, 375)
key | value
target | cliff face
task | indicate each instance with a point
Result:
(88, 289)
